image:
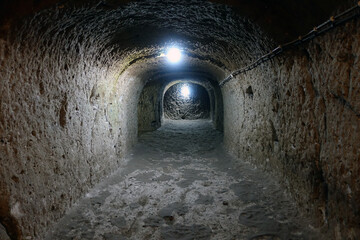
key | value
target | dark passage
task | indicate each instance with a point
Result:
(179, 184)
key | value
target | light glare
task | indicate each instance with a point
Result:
(185, 91)
(174, 55)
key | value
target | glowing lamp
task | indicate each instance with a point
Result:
(174, 55)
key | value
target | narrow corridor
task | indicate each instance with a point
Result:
(179, 183)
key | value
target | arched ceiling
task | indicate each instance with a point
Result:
(224, 34)
(282, 19)
(160, 69)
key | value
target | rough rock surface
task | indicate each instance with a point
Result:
(149, 107)
(298, 117)
(71, 77)
(194, 106)
(69, 97)
(3, 234)
(180, 184)
(63, 124)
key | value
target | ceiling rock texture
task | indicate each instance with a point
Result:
(75, 73)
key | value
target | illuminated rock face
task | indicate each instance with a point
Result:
(186, 101)
(300, 121)
(75, 88)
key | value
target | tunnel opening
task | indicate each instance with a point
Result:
(181, 99)
(186, 101)
(157, 78)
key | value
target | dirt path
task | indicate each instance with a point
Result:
(180, 184)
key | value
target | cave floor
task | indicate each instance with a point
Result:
(179, 183)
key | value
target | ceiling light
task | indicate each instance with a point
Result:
(174, 55)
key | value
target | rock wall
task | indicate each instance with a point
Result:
(149, 107)
(299, 118)
(69, 95)
(194, 106)
(66, 120)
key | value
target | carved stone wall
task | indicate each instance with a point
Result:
(299, 118)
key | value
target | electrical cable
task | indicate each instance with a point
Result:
(333, 22)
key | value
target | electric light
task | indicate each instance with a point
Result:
(174, 55)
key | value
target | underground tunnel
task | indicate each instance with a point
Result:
(246, 131)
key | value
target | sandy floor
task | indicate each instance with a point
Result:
(180, 184)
